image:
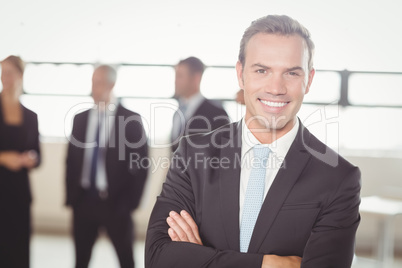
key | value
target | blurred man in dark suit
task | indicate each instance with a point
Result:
(103, 185)
(196, 114)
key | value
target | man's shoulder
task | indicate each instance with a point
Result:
(121, 110)
(81, 116)
(29, 113)
(209, 105)
(323, 156)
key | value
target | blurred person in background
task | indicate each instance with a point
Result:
(19, 153)
(105, 172)
(196, 114)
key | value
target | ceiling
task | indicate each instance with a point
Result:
(358, 35)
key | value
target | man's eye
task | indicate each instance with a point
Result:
(293, 73)
(261, 71)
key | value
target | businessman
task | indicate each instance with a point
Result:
(103, 188)
(196, 114)
(262, 192)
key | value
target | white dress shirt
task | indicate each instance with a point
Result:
(108, 120)
(279, 148)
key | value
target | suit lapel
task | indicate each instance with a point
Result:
(83, 128)
(113, 128)
(293, 165)
(200, 108)
(79, 136)
(112, 142)
(229, 183)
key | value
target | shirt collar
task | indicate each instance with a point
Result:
(189, 101)
(110, 108)
(280, 146)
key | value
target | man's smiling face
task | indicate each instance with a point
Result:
(275, 78)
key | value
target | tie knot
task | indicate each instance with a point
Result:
(261, 151)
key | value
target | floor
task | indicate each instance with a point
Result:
(49, 251)
(368, 262)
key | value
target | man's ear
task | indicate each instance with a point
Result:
(310, 80)
(239, 72)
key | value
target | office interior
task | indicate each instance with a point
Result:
(354, 105)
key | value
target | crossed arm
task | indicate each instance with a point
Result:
(184, 229)
(174, 240)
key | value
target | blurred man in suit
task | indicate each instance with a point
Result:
(103, 185)
(262, 192)
(196, 114)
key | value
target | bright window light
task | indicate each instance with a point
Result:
(219, 83)
(375, 89)
(145, 81)
(65, 79)
(325, 88)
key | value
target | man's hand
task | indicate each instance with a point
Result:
(183, 228)
(274, 261)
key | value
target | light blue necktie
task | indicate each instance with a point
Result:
(254, 195)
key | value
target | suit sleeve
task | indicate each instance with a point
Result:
(71, 172)
(331, 243)
(137, 159)
(160, 251)
(35, 143)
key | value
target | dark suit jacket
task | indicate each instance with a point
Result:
(311, 209)
(125, 178)
(209, 112)
(15, 186)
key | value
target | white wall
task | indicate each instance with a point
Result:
(380, 176)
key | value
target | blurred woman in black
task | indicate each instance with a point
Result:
(19, 152)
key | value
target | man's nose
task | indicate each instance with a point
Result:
(275, 85)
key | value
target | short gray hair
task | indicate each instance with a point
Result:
(276, 24)
(110, 70)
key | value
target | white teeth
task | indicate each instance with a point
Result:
(274, 104)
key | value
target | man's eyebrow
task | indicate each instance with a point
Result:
(259, 65)
(296, 68)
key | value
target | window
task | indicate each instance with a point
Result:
(145, 81)
(55, 113)
(56, 92)
(325, 88)
(375, 89)
(219, 83)
(64, 79)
